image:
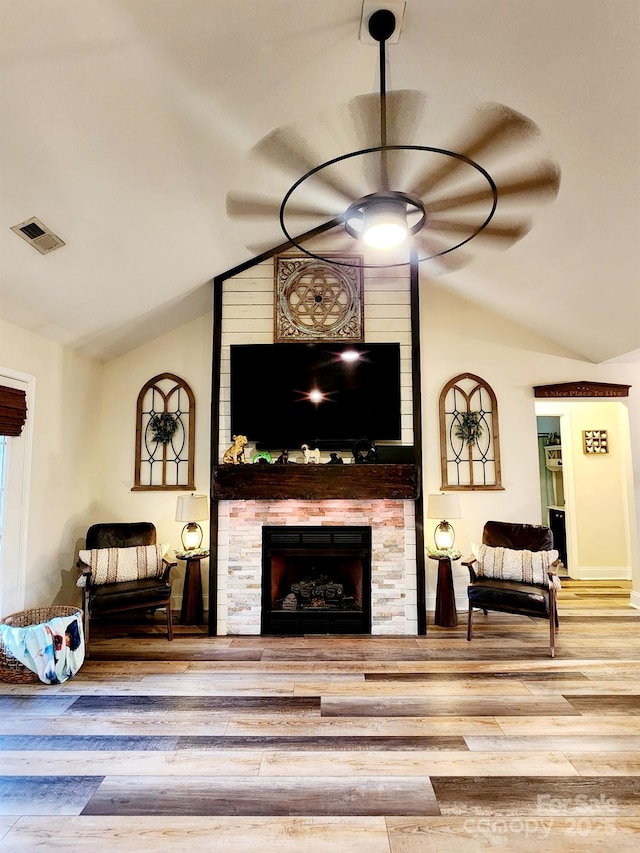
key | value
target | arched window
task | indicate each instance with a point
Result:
(165, 435)
(469, 440)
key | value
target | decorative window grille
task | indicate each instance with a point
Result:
(165, 435)
(469, 439)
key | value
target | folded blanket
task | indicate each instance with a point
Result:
(54, 650)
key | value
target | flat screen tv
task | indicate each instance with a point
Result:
(326, 395)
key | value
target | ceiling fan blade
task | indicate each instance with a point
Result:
(542, 181)
(498, 128)
(404, 111)
(503, 233)
(405, 108)
(260, 248)
(434, 253)
(334, 240)
(290, 153)
(255, 206)
(313, 236)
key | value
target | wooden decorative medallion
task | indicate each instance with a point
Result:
(318, 301)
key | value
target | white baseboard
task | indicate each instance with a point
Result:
(604, 573)
(634, 599)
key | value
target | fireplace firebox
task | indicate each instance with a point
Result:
(316, 580)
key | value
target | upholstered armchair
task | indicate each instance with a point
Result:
(515, 572)
(122, 568)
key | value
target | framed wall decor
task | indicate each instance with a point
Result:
(595, 441)
(165, 435)
(469, 438)
(318, 301)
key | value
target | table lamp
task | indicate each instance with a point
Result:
(192, 509)
(443, 506)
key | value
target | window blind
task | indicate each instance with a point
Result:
(13, 410)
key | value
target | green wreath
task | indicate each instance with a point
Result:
(468, 427)
(163, 427)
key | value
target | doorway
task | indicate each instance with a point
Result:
(598, 509)
(552, 499)
(14, 502)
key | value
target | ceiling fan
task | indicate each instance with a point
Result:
(392, 194)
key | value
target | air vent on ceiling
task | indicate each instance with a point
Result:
(35, 232)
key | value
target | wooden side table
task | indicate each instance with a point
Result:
(192, 612)
(446, 614)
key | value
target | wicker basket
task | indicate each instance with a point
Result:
(11, 669)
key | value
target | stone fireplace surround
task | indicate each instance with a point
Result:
(393, 556)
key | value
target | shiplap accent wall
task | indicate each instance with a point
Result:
(248, 318)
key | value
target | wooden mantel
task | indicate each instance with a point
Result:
(581, 389)
(315, 482)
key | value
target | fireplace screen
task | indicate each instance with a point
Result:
(316, 580)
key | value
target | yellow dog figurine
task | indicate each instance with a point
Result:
(235, 453)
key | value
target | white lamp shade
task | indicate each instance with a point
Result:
(192, 508)
(443, 506)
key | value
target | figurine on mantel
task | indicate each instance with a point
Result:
(283, 459)
(311, 455)
(234, 455)
(335, 459)
(364, 451)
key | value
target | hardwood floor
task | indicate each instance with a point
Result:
(318, 744)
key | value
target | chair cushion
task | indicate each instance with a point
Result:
(117, 565)
(528, 599)
(507, 534)
(516, 565)
(119, 534)
(130, 594)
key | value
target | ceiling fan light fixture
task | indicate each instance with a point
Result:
(387, 218)
(384, 224)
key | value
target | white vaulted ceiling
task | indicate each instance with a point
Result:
(125, 123)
